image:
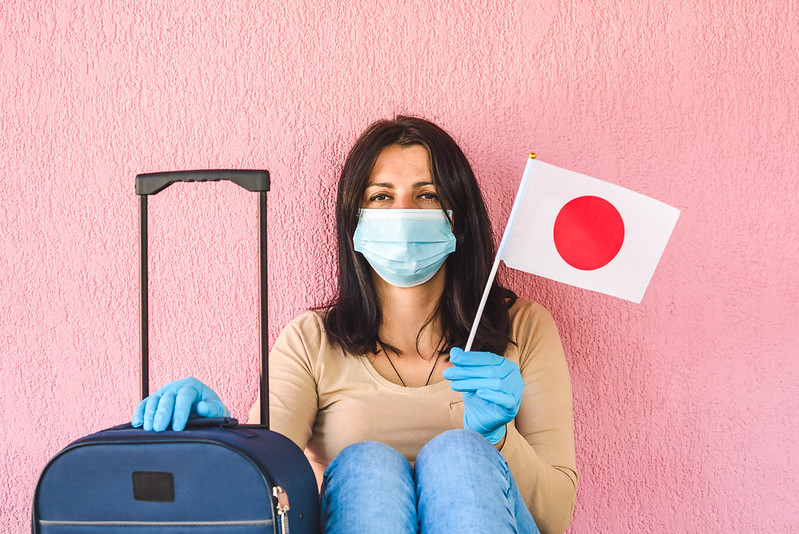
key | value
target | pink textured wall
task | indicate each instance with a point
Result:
(685, 405)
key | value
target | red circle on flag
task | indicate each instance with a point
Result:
(588, 233)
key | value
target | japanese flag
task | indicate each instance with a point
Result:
(585, 232)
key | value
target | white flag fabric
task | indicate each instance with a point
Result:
(585, 232)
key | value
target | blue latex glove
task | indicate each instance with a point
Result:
(175, 403)
(492, 389)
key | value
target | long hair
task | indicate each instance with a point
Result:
(353, 319)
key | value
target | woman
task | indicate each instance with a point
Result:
(375, 387)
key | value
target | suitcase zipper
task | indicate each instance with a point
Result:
(282, 507)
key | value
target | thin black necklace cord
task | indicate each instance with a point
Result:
(427, 383)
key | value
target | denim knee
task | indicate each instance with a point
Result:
(452, 445)
(368, 456)
(369, 488)
(464, 485)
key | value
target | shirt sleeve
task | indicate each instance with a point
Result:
(293, 399)
(539, 446)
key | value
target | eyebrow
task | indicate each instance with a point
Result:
(389, 185)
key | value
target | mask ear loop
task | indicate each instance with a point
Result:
(450, 217)
(355, 226)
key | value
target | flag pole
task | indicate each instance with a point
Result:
(514, 213)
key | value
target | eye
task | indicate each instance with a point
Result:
(428, 196)
(379, 197)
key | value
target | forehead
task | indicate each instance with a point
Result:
(397, 162)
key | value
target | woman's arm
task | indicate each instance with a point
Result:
(539, 446)
(292, 384)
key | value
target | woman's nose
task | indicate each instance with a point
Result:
(404, 201)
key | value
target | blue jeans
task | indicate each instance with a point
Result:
(461, 484)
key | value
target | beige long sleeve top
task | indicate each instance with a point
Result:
(324, 400)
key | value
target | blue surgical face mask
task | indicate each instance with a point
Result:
(405, 247)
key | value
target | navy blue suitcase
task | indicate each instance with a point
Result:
(215, 477)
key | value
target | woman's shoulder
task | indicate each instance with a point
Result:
(309, 319)
(304, 340)
(308, 326)
(307, 329)
(526, 307)
(528, 315)
(535, 336)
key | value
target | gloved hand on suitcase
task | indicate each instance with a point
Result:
(492, 389)
(175, 403)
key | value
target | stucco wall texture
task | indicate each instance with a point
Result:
(685, 405)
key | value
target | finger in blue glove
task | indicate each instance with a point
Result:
(473, 358)
(175, 403)
(479, 416)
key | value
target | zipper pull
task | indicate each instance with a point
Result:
(282, 507)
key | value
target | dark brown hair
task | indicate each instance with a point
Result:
(353, 319)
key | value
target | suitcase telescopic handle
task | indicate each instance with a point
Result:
(252, 180)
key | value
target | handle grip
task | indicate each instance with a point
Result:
(251, 180)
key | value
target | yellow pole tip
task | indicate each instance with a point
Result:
(532, 155)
